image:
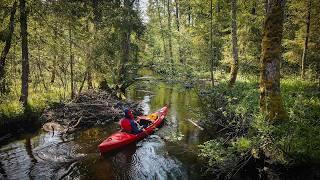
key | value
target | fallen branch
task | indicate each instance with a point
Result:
(74, 126)
(195, 124)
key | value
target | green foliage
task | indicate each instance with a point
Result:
(299, 138)
(214, 152)
(10, 109)
(92, 35)
(232, 110)
(174, 137)
(242, 144)
(291, 142)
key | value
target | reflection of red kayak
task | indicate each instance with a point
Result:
(121, 139)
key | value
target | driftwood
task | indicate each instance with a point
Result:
(86, 110)
(195, 124)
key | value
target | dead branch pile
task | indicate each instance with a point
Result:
(88, 109)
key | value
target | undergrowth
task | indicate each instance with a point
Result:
(242, 132)
(12, 109)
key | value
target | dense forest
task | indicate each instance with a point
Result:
(255, 66)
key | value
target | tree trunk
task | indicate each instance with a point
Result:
(25, 53)
(189, 15)
(71, 63)
(211, 42)
(126, 46)
(41, 76)
(89, 57)
(55, 57)
(162, 30)
(96, 13)
(318, 74)
(267, 6)
(234, 65)
(126, 38)
(96, 21)
(89, 81)
(53, 73)
(82, 84)
(169, 34)
(181, 60)
(6, 48)
(305, 47)
(218, 7)
(270, 94)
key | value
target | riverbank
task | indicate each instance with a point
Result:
(91, 108)
(244, 138)
(14, 118)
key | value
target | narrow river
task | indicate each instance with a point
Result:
(170, 153)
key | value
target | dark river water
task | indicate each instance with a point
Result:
(170, 153)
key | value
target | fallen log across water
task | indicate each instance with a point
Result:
(89, 109)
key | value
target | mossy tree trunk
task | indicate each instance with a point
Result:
(270, 94)
(235, 62)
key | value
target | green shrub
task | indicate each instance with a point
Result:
(10, 109)
(242, 144)
(294, 141)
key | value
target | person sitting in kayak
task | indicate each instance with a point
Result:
(128, 124)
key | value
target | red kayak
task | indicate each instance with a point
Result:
(121, 139)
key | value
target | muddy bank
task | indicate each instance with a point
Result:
(92, 108)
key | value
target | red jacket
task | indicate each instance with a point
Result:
(129, 126)
(125, 124)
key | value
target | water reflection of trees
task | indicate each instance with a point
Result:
(29, 151)
(3, 173)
